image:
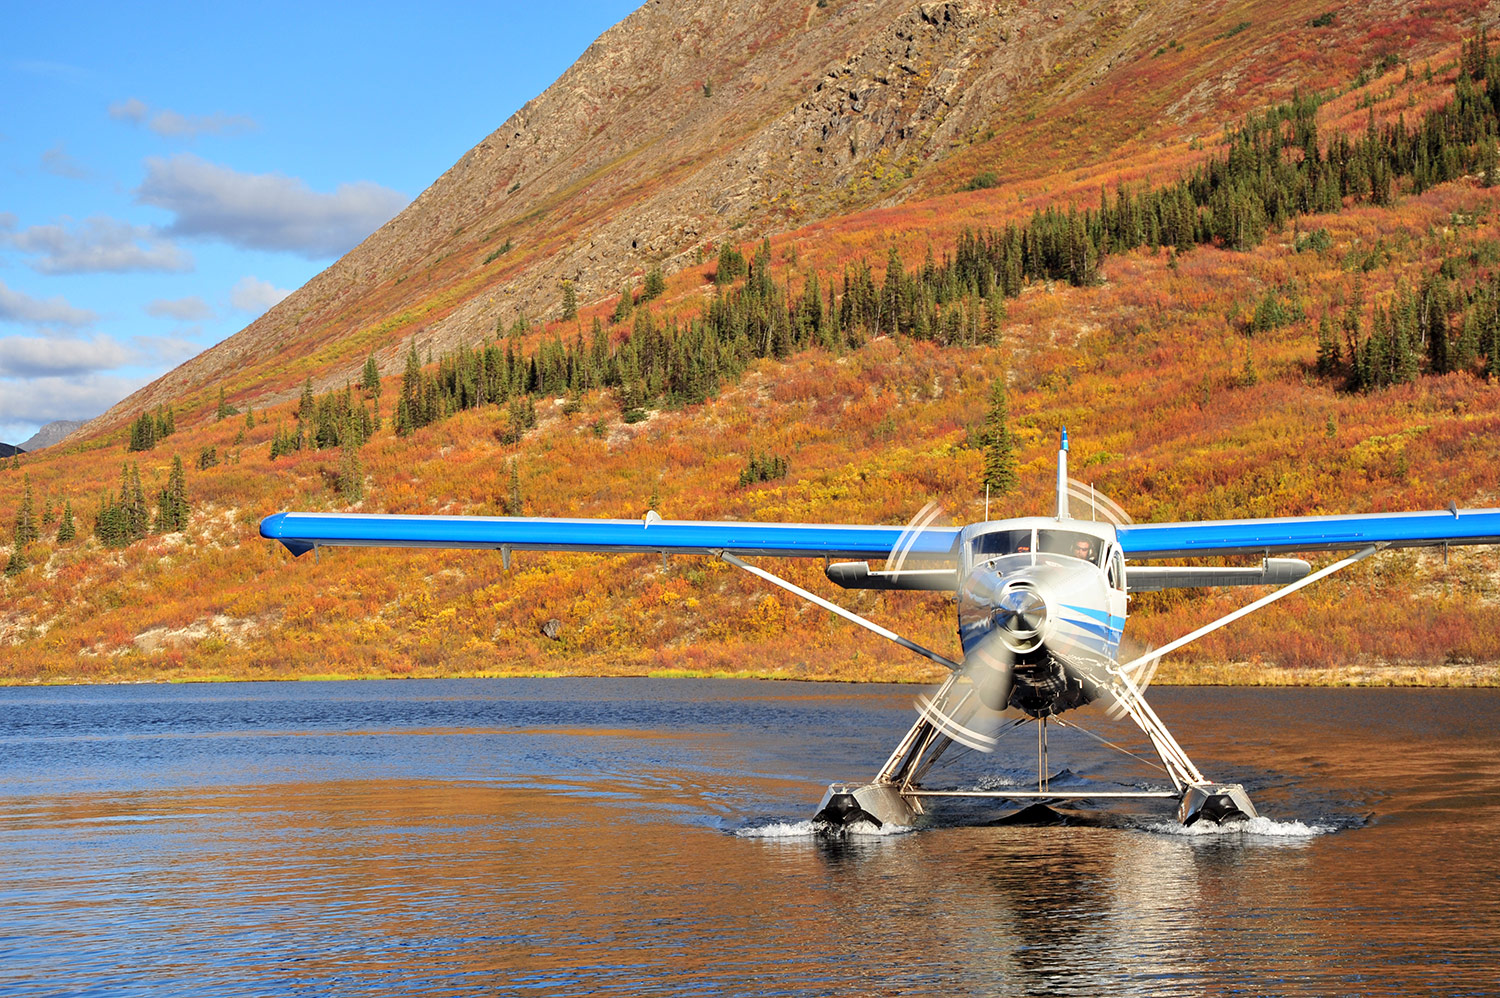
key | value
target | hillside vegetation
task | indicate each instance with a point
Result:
(1264, 295)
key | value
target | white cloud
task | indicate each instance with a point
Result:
(16, 306)
(41, 357)
(176, 125)
(98, 245)
(58, 162)
(131, 109)
(189, 309)
(171, 124)
(265, 211)
(41, 400)
(251, 294)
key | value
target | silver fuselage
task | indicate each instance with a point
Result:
(1045, 597)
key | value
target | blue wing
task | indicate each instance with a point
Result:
(1310, 533)
(301, 532)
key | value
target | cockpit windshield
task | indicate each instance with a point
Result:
(1037, 546)
(1070, 543)
(1001, 542)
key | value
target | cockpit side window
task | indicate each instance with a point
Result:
(1116, 569)
(1067, 542)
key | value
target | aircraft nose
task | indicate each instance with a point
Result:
(1021, 613)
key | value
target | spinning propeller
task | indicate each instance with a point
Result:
(1101, 506)
(969, 706)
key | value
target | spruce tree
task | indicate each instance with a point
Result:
(172, 504)
(26, 531)
(140, 517)
(999, 444)
(351, 471)
(65, 530)
(307, 405)
(655, 284)
(514, 501)
(1328, 346)
(369, 381)
(569, 302)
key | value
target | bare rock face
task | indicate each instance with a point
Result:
(50, 434)
(689, 122)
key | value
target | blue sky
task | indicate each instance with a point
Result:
(169, 171)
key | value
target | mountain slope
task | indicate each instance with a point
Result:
(1182, 404)
(693, 121)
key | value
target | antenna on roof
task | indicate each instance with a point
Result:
(1062, 477)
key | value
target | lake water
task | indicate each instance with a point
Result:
(569, 837)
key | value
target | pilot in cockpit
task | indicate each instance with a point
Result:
(1083, 548)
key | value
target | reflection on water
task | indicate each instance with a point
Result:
(649, 837)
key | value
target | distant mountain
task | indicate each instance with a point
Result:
(692, 122)
(9, 450)
(50, 434)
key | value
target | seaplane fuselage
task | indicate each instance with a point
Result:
(1041, 607)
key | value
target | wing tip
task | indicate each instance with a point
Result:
(273, 528)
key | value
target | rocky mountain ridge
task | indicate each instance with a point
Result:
(690, 122)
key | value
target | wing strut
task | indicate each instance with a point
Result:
(1136, 667)
(849, 615)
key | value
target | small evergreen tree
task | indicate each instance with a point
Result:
(369, 381)
(731, 264)
(1328, 346)
(569, 301)
(351, 470)
(142, 433)
(655, 284)
(515, 503)
(999, 444)
(65, 529)
(26, 531)
(622, 307)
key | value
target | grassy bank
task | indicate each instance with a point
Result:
(1465, 676)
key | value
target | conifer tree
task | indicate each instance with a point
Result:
(514, 502)
(142, 433)
(26, 531)
(307, 405)
(999, 444)
(65, 529)
(369, 381)
(1328, 346)
(172, 505)
(138, 518)
(351, 470)
(569, 301)
(623, 307)
(655, 284)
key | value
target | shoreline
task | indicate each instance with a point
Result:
(1241, 674)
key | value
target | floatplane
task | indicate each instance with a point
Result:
(1041, 611)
